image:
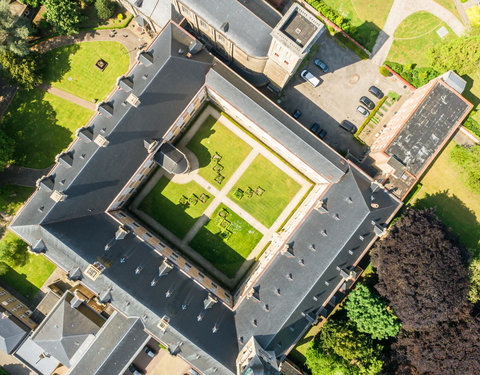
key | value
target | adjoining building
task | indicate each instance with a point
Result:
(418, 131)
(266, 46)
(79, 218)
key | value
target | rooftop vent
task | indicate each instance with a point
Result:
(349, 200)
(45, 182)
(75, 302)
(350, 252)
(85, 134)
(150, 145)
(145, 58)
(58, 196)
(163, 324)
(126, 84)
(344, 274)
(336, 217)
(301, 262)
(374, 186)
(65, 158)
(266, 307)
(327, 283)
(290, 276)
(105, 109)
(254, 323)
(194, 47)
(200, 316)
(312, 247)
(138, 270)
(323, 232)
(361, 237)
(288, 250)
(225, 26)
(209, 301)
(133, 100)
(278, 292)
(165, 267)
(101, 141)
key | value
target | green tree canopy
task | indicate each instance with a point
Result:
(474, 275)
(6, 149)
(461, 55)
(13, 251)
(370, 313)
(468, 159)
(63, 15)
(23, 71)
(105, 9)
(13, 31)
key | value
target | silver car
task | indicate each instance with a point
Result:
(363, 111)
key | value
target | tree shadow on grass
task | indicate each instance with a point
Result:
(195, 145)
(468, 93)
(456, 215)
(366, 34)
(32, 122)
(56, 63)
(19, 282)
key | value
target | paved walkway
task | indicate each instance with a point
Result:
(400, 10)
(67, 96)
(14, 175)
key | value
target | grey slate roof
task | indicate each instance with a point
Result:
(245, 29)
(114, 348)
(11, 332)
(64, 331)
(428, 127)
(160, 11)
(76, 230)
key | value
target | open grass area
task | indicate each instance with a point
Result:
(28, 279)
(454, 203)
(276, 190)
(42, 125)
(163, 203)
(213, 138)
(415, 36)
(91, 19)
(12, 197)
(368, 16)
(226, 241)
(72, 68)
(450, 6)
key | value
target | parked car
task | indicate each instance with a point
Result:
(322, 133)
(375, 91)
(135, 370)
(363, 111)
(296, 114)
(348, 126)
(310, 78)
(149, 351)
(315, 128)
(367, 102)
(321, 65)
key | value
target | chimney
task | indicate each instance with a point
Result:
(209, 301)
(165, 267)
(58, 196)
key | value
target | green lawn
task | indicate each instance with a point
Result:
(227, 255)
(91, 19)
(162, 203)
(42, 125)
(368, 16)
(450, 6)
(214, 138)
(279, 189)
(12, 197)
(455, 204)
(72, 68)
(28, 279)
(414, 37)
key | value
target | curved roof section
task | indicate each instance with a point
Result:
(245, 29)
(171, 159)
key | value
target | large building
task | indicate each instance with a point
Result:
(80, 218)
(266, 46)
(418, 131)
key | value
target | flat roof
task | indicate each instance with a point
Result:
(298, 28)
(428, 127)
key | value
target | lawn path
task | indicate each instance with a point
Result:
(67, 96)
(401, 9)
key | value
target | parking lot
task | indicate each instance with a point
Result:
(337, 97)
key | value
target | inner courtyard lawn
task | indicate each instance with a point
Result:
(415, 36)
(214, 138)
(163, 204)
(72, 68)
(368, 16)
(226, 254)
(455, 204)
(278, 190)
(41, 125)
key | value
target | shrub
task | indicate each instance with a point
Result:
(105, 9)
(472, 125)
(384, 71)
(468, 159)
(120, 16)
(411, 73)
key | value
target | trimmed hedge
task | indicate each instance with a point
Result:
(411, 73)
(472, 125)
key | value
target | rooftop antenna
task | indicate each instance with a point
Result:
(138, 270)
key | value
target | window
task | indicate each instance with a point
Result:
(203, 25)
(221, 38)
(19, 306)
(11, 300)
(185, 10)
(23, 316)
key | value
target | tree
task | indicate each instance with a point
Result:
(422, 271)
(6, 149)
(460, 54)
(63, 15)
(23, 71)
(339, 345)
(473, 14)
(468, 159)
(105, 9)
(370, 313)
(13, 31)
(13, 250)
(474, 276)
(33, 3)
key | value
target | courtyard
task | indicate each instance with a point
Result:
(224, 211)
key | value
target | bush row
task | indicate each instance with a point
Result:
(411, 73)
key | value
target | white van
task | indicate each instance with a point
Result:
(310, 78)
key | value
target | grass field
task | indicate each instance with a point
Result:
(279, 189)
(42, 125)
(12, 197)
(368, 16)
(227, 255)
(450, 6)
(72, 68)
(414, 37)
(162, 203)
(454, 203)
(211, 138)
